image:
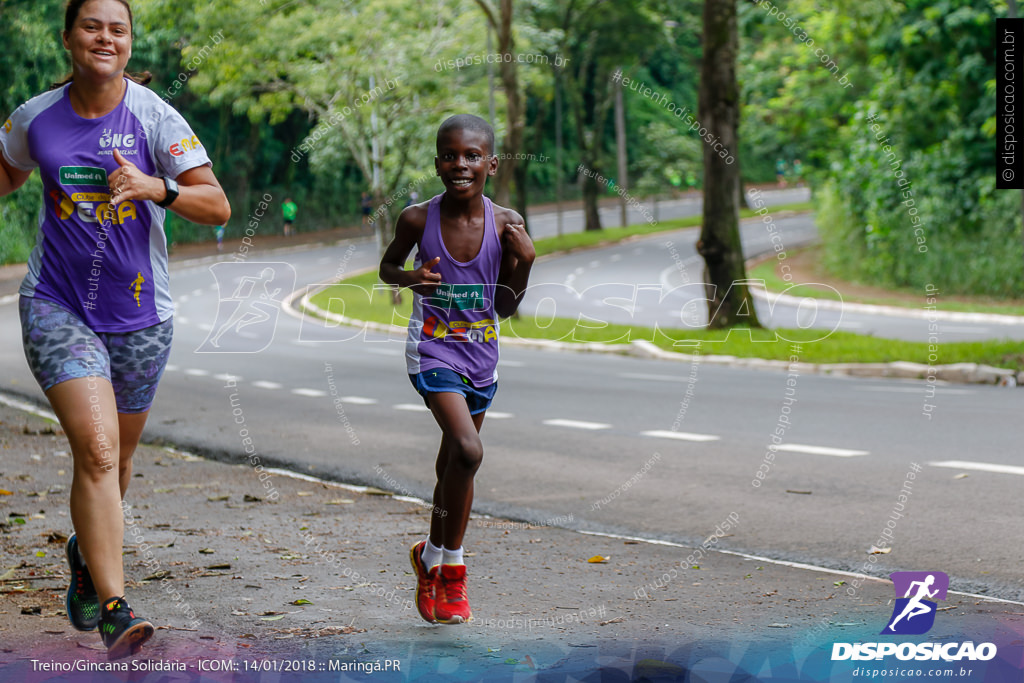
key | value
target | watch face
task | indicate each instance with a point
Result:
(171, 186)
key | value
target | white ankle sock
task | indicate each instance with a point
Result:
(452, 556)
(431, 555)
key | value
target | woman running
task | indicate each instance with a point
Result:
(95, 306)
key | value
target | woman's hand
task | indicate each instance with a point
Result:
(129, 183)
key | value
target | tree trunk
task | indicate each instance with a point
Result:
(591, 218)
(730, 303)
(501, 22)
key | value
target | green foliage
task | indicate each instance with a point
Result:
(902, 159)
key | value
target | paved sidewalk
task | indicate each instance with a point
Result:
(244, 551)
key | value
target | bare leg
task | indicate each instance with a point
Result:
(88, 413)
(458, 460)
(130, 426)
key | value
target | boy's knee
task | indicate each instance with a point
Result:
(469, 452)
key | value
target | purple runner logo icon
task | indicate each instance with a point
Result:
(914, 612)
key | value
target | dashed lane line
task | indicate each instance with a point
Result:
(412, 407)
(681, 436)
(979, 466)
(577, 424)
(358, 400)
(819, 450)
(314, 393)
(266, 385)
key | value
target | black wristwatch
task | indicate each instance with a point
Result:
(171, 186)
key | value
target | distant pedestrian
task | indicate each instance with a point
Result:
(219, 231)
(780, 172)
(798, 172)
(366, 206)
(290, 209)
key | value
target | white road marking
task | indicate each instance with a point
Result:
(979, 466)
(595, 264)
(653, 378)
(180, 320)
(266, 385)
(682, 436)
(781, 563)
(819, 450)
(913, 390)
(206, 327)
(196, 372)
(171, 368)
(315, 393)
(358, 400)
(511, 363)
(224, 377)
(197, 292)
(577, 424)
(183, 298)
(963, 329)
(412, 407)
(498, 415)
(579, 271)
(614, 258)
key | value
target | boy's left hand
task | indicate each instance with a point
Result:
(515, 238)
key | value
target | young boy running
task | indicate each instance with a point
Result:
(472, 265)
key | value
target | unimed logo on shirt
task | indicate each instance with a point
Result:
(83, 175)
(459, 297)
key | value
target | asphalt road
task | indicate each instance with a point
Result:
(603, 442)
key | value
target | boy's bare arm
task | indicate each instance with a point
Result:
(517, 259)
(408, 232)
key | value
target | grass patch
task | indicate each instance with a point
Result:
(363, 297)
(580, 240)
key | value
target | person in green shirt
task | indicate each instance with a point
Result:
(289, 209)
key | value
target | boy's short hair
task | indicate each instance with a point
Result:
(468, 122)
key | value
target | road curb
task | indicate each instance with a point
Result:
(888, 311)
(957, 373)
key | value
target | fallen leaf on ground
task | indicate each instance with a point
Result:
(301, 601)
(875, 550)
(206, 551)
(598, 559)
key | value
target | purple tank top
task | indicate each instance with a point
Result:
(456, 327)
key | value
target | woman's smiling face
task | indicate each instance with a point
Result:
(100, 40)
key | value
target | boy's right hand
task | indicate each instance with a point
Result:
(426, 281)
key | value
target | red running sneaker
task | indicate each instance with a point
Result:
(425, 580)
(451, 606)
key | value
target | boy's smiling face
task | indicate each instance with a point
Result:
(464, 161)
